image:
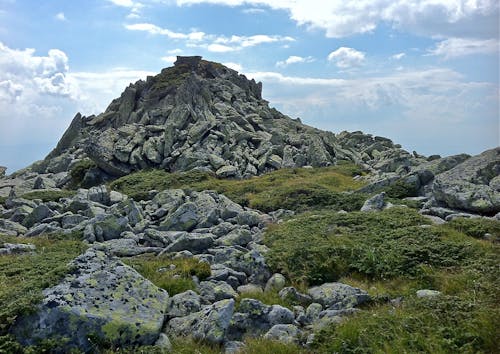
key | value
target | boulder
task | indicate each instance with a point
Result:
(286, 333)
(375, 203)
(338, 296)
(101, 299)
(183, 304)
(209, 324)
(471, 186)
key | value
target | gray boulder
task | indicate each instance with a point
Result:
(213, 290)
(286, 333)
(86, 305)
(183, 304)
(338, 296)
(17, 248)
(209, 324)
(375, 203)
(471, 185)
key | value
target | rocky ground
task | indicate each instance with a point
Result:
(202, 116)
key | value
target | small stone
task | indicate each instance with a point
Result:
(428, 293)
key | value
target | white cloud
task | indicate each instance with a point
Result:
(123, 3)
(170, 59)
(431, 111)
(341, 18)
(175, 51)
(213, 43)
(60, 16)
(254, 11)
(219, 48)
(234, 66)
(345, 57)
(294, 59)
(458, 47)
(155, 30)
(398, 56)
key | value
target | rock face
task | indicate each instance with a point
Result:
(203, 115)
(101, 299)
(473, 185)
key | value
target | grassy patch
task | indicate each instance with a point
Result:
(48, 195)
(23, 277)
(445, 324)
(267, 297)
(173, 275)
(476, 227)
(296, 189)
(324, 246)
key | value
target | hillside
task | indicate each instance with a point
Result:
(192, 217)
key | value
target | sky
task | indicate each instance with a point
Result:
(424, 73)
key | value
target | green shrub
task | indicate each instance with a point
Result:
(24, 276)
(173, 275)
(400, 189)
(297, 189)
(48, 195)
(476, 227)
(78, 171)
(441, 325)
(323, 246)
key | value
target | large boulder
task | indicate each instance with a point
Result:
(101, 299)
(473, 185)
(338, 296)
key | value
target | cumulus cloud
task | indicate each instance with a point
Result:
(341, 18)
(169, 59)
(211, 42)
(60, 16)
(438, 106)
(345, 57)
(458, 47)
(234, 66)
(294, 59)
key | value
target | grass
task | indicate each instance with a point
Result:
(173, 275)
(266, 297)
(296, 189)
(476, 227)
(24, 276)
(391, 255)
(324, 246)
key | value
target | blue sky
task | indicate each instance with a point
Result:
(424, 73)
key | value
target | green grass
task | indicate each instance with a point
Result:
(48, 195)
(23, 277)
(442, 325)
(266, 297)
(175, 279)
(324, 246)
(476, 227)
(296, 189)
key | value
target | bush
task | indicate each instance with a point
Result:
(297, 189)
(321, 247)
(173, 275)
(476, 227)
(78, 171)
(401, 189)
(441, 325)
(24, 276)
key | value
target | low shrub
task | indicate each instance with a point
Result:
(476, 227)
(78, 171)
(324, 246)
(296, 189)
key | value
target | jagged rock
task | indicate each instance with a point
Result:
(237, 237)
(38, 214)
(375, 203)
(16, 248)
(183, 304)
(86, 304)
(209, 324)
(227, 171)
(337, 296)
(467, 185)
(192, 242)
(2, 171)
(213, 290)
(290, 293)
(287, 333)
(12, 228)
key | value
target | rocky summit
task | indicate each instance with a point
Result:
(191, 214)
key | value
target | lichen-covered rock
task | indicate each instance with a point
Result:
(338, 296)
(213, 290)
(101, 299)
(275, 283)
(471, 185)
(209, 324)
(375, 203)
(286, 333)
(183, 304)
(16, 248)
